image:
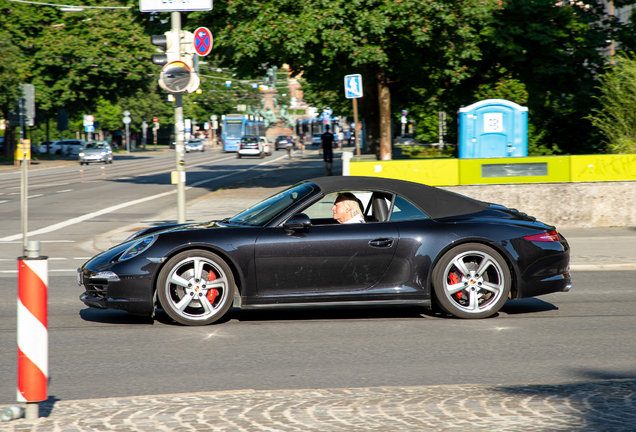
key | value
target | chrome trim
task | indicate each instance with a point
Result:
(567, 287)
(108, 275)
(156, 260)
(424, 303)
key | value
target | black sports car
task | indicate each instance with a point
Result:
(419, 245)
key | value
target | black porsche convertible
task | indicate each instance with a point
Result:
(418, 245)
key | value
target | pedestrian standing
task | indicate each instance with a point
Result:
(326, 141)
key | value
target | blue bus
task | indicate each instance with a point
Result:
(235, 126)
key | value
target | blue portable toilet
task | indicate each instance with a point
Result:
(493, 128)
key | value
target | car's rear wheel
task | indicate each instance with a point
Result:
(471, 281)
(196, 287)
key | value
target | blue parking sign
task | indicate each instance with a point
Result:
(353, 86)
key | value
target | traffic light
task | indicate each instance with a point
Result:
(170, 43)
(178, 74)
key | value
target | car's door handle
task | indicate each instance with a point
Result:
(381, 242)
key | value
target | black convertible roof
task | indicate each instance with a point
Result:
(437, 203)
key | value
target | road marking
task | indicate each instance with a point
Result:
(66, 190)
(35, 196)
(3, 201)
(111, 209)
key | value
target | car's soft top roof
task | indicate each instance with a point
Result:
(437, 203)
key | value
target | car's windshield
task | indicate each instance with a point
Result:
(94, 145)
(248, 140)
(266, 210)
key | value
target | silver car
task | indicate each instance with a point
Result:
(96, 151)
(194, 144)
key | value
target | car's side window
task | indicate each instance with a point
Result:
(403, 209)
(320, 212)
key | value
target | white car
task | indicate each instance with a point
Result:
(52, 147)
(251, 145)
(69, 147)
(266, 148)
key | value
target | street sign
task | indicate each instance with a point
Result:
(353, 86)
(203, 41)
(88, 120)
(126, 120)
(89, 128)
(174, 6)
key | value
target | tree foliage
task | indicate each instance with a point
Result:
(616, 117)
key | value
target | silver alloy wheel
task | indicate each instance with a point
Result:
(474, 281)
(471, 281)
(187, 286)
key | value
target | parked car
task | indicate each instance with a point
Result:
(194, 144)
(96, 151)
(250, 145)
(282, 141)
(420, 246)
(53, 147)
(316, 139)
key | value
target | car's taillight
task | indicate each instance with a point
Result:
(548, 236)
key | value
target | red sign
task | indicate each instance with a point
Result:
(155, 119)
(203, 41)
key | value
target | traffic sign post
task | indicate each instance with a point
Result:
(353, 91)
(203, 41)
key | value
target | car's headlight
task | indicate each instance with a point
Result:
(137, 247)
(81, 154)
(102, 153)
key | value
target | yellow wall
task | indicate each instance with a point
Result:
(433, 172)
(453, 172)
(603, 168)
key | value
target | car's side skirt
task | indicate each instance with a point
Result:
(424, 303)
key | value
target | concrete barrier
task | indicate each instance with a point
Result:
(565, 205)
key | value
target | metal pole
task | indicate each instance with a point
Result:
(24, 189)
(179, 126)
(127, 139)
(357, 128)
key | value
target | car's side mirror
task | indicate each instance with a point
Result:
(297, 222)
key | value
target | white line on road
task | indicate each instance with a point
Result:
(65, 190)
(111, 209)
(3, 201)
(35, 196)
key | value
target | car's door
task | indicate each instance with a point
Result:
(339, 258)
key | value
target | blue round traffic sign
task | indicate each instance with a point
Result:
(203, 41)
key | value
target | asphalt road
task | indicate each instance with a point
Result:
(586, 334)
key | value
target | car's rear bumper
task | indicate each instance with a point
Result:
(249, 152)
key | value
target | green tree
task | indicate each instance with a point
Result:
(616, 117)
(391, 43)
(10, 77)
(557, 51)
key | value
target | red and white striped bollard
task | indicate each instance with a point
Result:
(33, 337)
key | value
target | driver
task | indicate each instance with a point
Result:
(347, 209)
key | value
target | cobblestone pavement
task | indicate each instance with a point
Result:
(594, 406)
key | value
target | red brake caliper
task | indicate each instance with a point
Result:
(455, 279)
(213, 292)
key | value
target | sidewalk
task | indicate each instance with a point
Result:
(608, 406)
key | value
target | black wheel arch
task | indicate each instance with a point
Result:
(500, 249)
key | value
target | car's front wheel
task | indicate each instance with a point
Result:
(471, 281)
(196, 287)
